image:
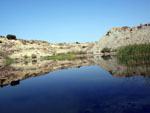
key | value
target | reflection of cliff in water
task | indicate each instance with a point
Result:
(21, 71)
(119, 69)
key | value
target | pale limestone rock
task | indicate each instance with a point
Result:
(21, 48)
(123, 36)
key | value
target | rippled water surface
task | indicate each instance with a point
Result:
(87, 89)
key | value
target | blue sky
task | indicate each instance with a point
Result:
(69, 20)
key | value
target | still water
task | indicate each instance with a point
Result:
(98, 86)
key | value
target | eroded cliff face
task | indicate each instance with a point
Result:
(20, 48)
(117, 37)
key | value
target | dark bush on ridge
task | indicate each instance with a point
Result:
(77, 43)
(11, 37)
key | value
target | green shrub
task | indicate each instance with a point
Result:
(11, 37)
(25, 56)
(84, 46)
(34, 56)
(2, 36)
(80, 52)
(106, 50)
(77, 43)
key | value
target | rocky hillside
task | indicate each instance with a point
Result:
(17, 48)
(117, 37)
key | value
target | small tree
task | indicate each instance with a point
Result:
(34, 56)
(25, 56)
(106, 50)
(11, 37)
(77, 43)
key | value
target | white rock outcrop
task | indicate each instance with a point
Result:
(117, 37)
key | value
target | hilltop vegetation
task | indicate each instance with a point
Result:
(11, 37)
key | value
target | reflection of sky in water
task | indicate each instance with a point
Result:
(88, 89)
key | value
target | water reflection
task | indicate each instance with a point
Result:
(96, 85)
(23, 70)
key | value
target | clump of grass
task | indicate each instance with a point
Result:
(134, 50)
(9, 61)
(134, 54)
(60, 57)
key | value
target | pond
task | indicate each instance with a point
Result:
(91, 85)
